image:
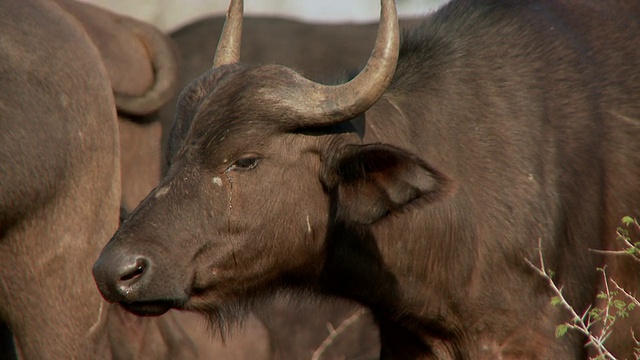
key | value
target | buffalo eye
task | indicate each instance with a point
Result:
(245, 163)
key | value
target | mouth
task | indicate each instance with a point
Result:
(149, 308)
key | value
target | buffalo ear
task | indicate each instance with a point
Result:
(373, 181)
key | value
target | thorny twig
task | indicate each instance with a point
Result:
(617, 252)
(579, 323)
(629, 296)
(605, 319)
(634, 300)
(631, 248)
(334, 333)
(636, 351)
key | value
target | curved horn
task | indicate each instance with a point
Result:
(317, 104)
(228, 50)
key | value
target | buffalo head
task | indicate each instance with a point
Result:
(264, 164)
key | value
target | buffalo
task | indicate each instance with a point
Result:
(420, 189)
(142, 73)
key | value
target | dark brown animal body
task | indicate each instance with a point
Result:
(508, 126)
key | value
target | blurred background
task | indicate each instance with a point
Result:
(169, 15)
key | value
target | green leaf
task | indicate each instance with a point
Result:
(624, 233)
(595, 312)
(556, 300)
(628, 220)
(619, 304)
(561, 330)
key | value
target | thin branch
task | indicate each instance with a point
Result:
(605, 327)
(629, 296)
(636, 350)
(579, 324)
(625, 237)
(617, 252)
(334, 333)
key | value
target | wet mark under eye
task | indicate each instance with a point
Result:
(230, 206)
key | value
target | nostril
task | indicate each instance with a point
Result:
(121, 276)
(132, 274)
